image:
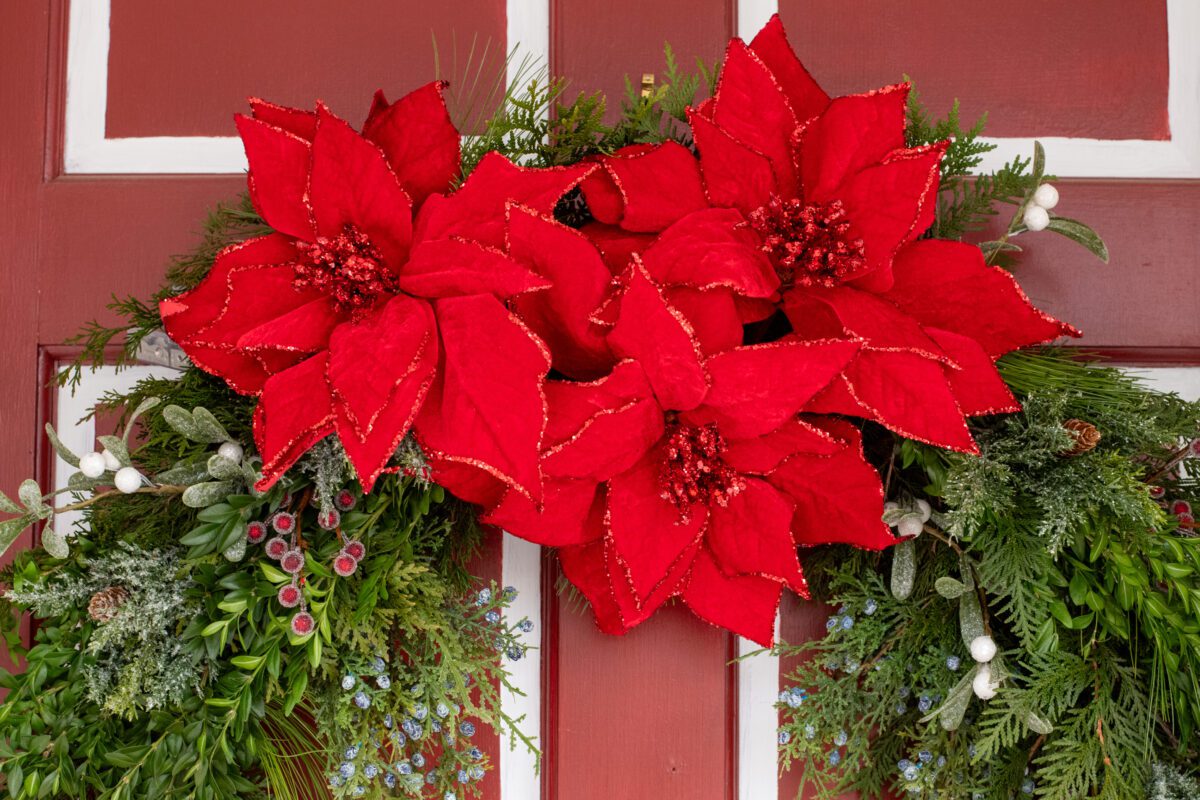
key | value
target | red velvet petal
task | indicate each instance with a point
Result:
(878, 323)
(709, 249)
(293, 120)
(579, 283)
(305, 329)
(571, 403)
(947, 285)
(454, 267)
(608, 443)
(854, 132)
(586, 566)
(603, 197)
(771, 45)
(390, 352)
(839, 497)
(713, 315)
(752, 535)
(756, 389)
(657, 186)
(572, 513)
(977, 385)
(744, 604)
(752, 107)
(278, 178)
(908, 394)
(484, 410)
(616, 246)
(478, 210)
(735, 174)
(649, 537)
(294, 412)
(762, 454)
(419, 140)
(892, 203)
(352, 184)
(466, 482)
(660, 339)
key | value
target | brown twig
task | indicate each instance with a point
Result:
(160, 490)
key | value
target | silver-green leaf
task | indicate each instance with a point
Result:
(1080, 234)
(203, 495)
(223, 469)
(30, 495)
(904, 569)
(949, 588)
(8, 506)
(970, 618)
(142, 408)
(55, 543)
(10, 529)
(63, 452)
(117, 447)
(208, 427)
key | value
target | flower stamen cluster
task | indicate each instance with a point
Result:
(348, 268)
(810, 244)
(693, 470)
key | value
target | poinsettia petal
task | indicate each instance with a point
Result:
(610, 442)
(304, 329)
(657, 186)
(593, 570)
(879, 324)
(735, 174)
(455, 267)
(854, 132)
(649, 537)
(947, 285)
(257, 295)
(891, 204)
(481, 409)
(771, 45)
(904, 392)
(570, 404)
(294, 412)
(579, 283)
(838, 497)
(708, 249)
(752, 107)
(419, 140)
(713, 314)
(572, 513)
(293, 120)
(744, 604)
(278, 177)
(352, 184)
(756, 388)
(977, 385)
(762, 454)
(752, 535)
(652, 332)
(374, 359)
(477, 210)
(466, 481)
(616, 245)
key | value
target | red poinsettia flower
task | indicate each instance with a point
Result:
(686, 474)
(825, 198)
(378, 303)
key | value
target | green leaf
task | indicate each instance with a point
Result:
(55, 543)
(117, 447)
(223, 469)
(144, 406)
(208, 427)
(30, 495)
(1039, 163)
(78, 482)
(182, 422)
(214, 627)
(904, 569)
(247, 662)
(60, 448)
(949, 588)
(201, 495)
(1078, 588)
(184, 473)
(8, 506)
(1080, 234)
(970, 618)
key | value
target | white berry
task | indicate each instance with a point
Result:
(92, 465)
(891, 506)
(982, 683)
(111, 463)
(983, 649)
(1036, 218)
(1046, 196)
(910, 525)
(231, 451)
(128, 480)
(925, 509)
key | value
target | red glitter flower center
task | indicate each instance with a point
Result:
(809, 244)
(348, 268)
(693, 470)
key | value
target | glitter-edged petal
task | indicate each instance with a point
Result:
(572, 513)
(278, 177)
(976, 384)
(295, 411)
(771, 45)
(653, 187)
(854, 132)
(419, 140)
(752, 535)
(744, 604)
(709, 249)
(454, 267)
(735, 174)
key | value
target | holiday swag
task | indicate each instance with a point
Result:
(698, 353)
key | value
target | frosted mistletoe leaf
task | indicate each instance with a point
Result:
(235, 551)
(31, 496)
(60, 448)
(904, 569)
(202, 495)
(55, 543)
(184, 473)
(208, 427)
(8, 506)
(223, 469)
(1038, 724)
(970, 618)
(142, 407)
(950, 713)
(949, 588)
(78, 482)
(117, 447)
(198, 425)
(10, 529)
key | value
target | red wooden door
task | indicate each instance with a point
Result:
(117, 139)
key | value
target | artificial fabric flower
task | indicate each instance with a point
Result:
(683, 473)
(378, 303)
(833, 203)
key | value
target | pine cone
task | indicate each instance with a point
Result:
(105, 603)
(1087, 436)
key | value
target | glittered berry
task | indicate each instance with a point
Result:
(289, 595)
(383, 682)
(1158, 492)
(283, 522)
(344, 500)
(418, 760)
(420, 711)
(303, 623)
(256, 532)
(361, 699)
(467, 729)
(484, 597)
(276, 547)
(784, 737)
(525, 625)
(348, 682)
(292, 562)
(370, 771)
(355, 549)
(344, 565)
(492, 616)
(1181, 507)
(404, 768)
(378, 665)
(329, 520)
